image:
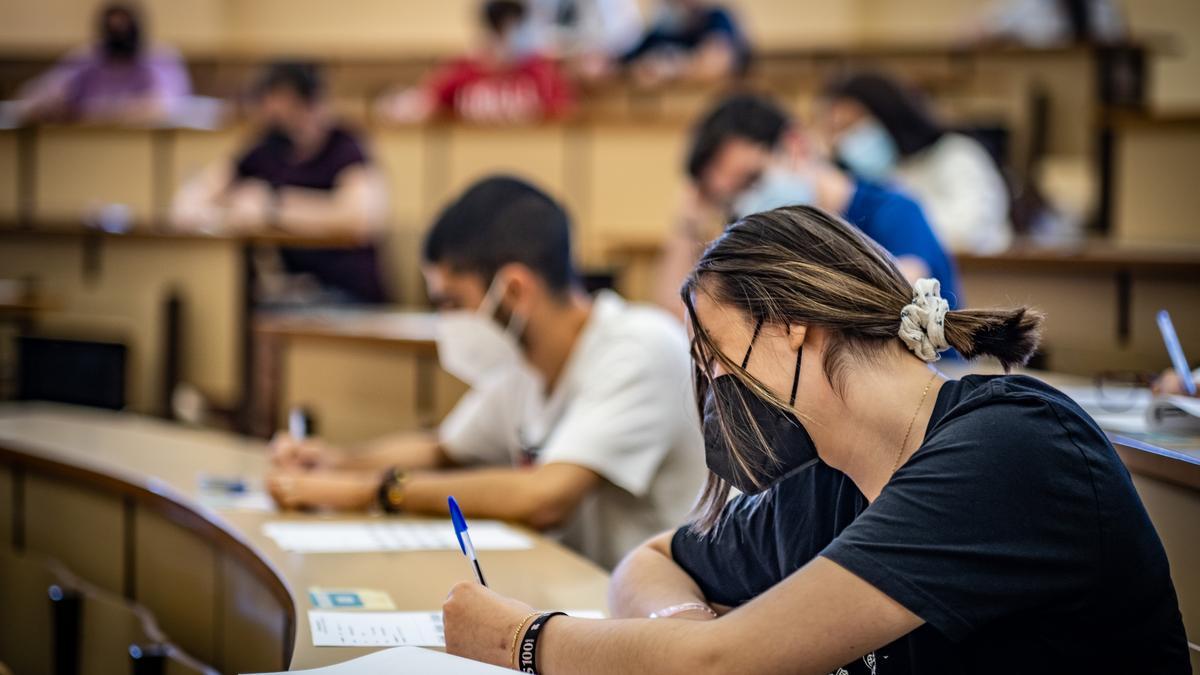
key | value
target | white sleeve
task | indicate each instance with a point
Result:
(967, 199)
(625, 421)
(473, 432)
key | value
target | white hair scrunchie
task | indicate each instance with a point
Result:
(923, 321)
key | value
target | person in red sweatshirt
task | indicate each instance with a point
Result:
(506, 81)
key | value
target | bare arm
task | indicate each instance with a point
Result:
(409, 450)
(539, 497)
(714, 60)
(815, 621)
(648, 580)
(198, 204)
(356, 206)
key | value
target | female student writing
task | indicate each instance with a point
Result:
(998, 531)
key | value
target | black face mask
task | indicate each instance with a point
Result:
(122, 44)
(781, 431)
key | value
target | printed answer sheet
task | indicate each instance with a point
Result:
(405, 661)
(388, 629)
(382, 535)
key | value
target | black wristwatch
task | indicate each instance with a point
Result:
(391, 491)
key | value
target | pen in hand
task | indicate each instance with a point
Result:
(297, 424)
(464, 539)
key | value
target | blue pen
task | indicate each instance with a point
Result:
(464, 539)
(1175, 351)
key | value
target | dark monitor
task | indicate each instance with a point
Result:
(79, 372)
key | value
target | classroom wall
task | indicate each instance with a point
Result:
(418, 27)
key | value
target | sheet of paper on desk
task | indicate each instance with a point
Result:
(388, 629)
(376, 629)
(1121, 409)
(382, 535)
(405, 661)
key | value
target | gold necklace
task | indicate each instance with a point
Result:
(908, 433)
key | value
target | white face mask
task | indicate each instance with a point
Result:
(868, 150)
(473, 347)
(777, 187)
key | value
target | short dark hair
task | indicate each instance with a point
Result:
(501, 220)
(303, 78)
(497, 13)
(902, 113)
(749, 117)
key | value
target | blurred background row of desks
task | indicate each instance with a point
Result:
(184, 306)
(1126, 181)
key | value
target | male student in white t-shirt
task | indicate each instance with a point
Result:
(580, 419)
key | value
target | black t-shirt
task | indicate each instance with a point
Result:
(353, 270)
(1014, 532)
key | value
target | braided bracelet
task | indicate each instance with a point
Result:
(517, 636)
(528, 655)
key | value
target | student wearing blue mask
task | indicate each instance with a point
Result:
(747, 155)
(577, 421)
(1000, 531)
(883, 132)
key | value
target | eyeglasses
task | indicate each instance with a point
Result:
(1122, 390)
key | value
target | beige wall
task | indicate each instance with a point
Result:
(1175, 82)
(443, 26)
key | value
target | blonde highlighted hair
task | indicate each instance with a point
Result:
(800, 265)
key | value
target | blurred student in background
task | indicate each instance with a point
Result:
(588, 34)
(1049, 23)
(305, 174)
(578, 419)
(748, 156)
(882, 132)
(119, 79)
(506, 80)
(689, 40)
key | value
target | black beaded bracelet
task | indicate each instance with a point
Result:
(527, 657)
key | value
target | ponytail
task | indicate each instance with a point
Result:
(1008, 335)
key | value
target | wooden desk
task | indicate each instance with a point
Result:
(360, 372)
(182, 301)
(115, 498)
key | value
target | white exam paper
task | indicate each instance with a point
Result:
(367, 536)
(405, 660)
(388, 629)
(376, 629)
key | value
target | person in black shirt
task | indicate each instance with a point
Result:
(890, 521)
(305, 175)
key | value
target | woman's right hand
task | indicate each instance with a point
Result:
(289, 452)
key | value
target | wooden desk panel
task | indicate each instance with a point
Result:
(97, 521)
(361, 372)
(1155, 184)
(261, 588)
(10, 198)
(176, 572)
(115, 288)
(6, 506)
(78, 169)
